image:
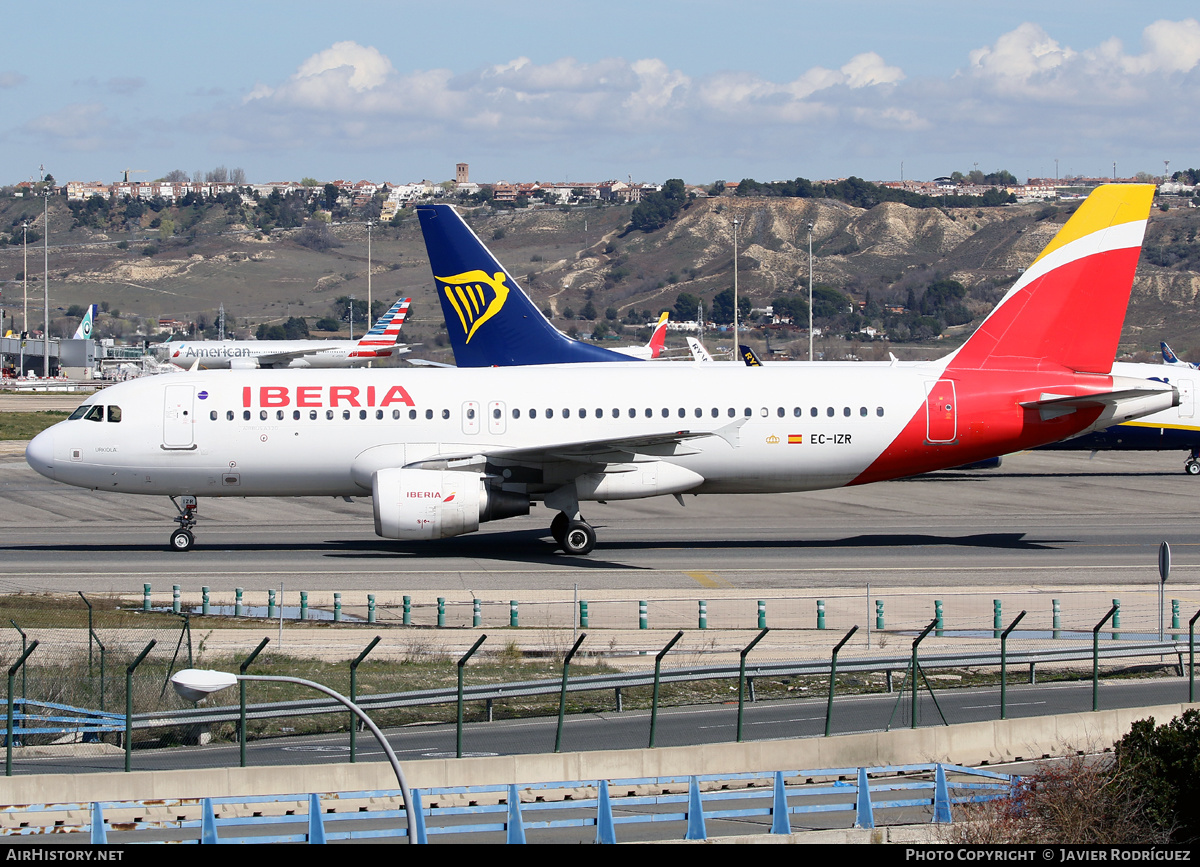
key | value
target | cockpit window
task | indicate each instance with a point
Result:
(95, 413)
(80, 412)
(114, 413)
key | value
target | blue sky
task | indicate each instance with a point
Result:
(566, 90)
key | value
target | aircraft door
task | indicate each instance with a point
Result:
(496, 419)
(470, 417)
(179, 417)
(1187, 400)
(941, 412)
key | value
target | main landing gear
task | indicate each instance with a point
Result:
(183, 538)
(1192, 465)
(574, 535)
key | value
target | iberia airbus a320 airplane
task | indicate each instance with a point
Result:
(443, 450)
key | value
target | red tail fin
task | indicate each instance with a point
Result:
(1067, 309)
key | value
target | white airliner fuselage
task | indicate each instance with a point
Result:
(252, 354)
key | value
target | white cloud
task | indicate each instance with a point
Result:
(11, 79)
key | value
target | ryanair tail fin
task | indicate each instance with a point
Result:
(1067, 309)
(1169, 357)
(492, 322)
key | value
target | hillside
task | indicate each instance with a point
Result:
(567, 259)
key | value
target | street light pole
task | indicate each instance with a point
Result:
(25, 281)
(46, 279)
(736, 348)
(370, 223)
(193, 685)
(810, 294)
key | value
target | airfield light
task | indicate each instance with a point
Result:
(193, 684)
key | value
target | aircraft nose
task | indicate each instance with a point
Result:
(39, 454)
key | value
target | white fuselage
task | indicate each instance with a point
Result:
(226, 354)
(788, 427)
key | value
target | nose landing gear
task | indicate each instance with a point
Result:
(183, 538)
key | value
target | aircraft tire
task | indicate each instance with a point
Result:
(182, 540)
(1192, 468)
(558, 527)
(579, 538)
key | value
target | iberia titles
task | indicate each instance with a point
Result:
(320, 396)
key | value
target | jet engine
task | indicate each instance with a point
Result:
(434, 504)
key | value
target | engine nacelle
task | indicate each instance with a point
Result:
(433, 504)
(243, 364)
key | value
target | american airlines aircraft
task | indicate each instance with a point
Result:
(443, 450)
(378, 343)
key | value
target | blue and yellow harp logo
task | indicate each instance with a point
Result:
(475, 297)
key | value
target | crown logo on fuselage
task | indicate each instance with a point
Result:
(475, 297)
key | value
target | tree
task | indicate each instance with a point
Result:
(1164, 765)
(686, 307)
(176, 176)
(722, 307)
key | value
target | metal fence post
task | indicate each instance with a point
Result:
(703, 614)
(407, 617)
(175, 599)
(742, 679)
(583, 614)
(1004, 666)
(562, 698)
(145, 597)
(1056, 608)
(12, 674)
(271, 604)
(513, 615)
(1096, 657)
(337, 607)
(441, 611)
(242, 700)
(820, 614)
(643, 619)
(204, 601)
(657, 675)
(937, 615)
(833, 678)
(1116, 635)
(129, 701)
(304, 605)
(461, 664)
(354, 697)
(476, 613)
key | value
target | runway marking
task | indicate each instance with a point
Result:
(707, 579)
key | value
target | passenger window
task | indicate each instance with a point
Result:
(797, 412)
(229, 415)
(245, 415)
(829, 411)
(395, 415)
(516, 413)
(616, 413)
(412, 414)
(747, 413)
(533, 413)
(779, 412)
(862, 411)
(345, 415)
(582, 412)
(362, 415)
(549, 413)
(295, 415)
(470, 412)
(114, 414)
(682, 412)
(649, 412)
(846, 411)
(813, 412)
(879, 411)
(632, 412)
(698, 412)
(566, 413)
(379, 414)
(212, 416)
(445, 413)
(715, 412)
(262, 415)
(732, 412)
(428, 413)
(328, 415)
(279, 415)
(665, 412)
(312, 415)
(496, 412)
(762, 411)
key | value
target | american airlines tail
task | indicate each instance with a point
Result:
(84, 331)
(385, 333)
(474, 289)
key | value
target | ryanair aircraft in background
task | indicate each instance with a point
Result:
(378, 343)
(442, 451)
(492, 322)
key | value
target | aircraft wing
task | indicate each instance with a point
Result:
(272, 358)
(596, 452)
